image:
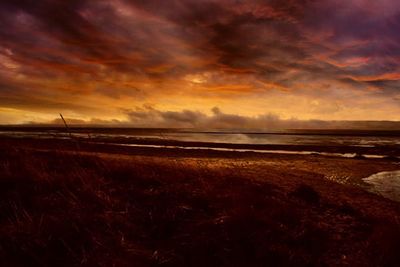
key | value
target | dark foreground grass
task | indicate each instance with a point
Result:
(66, 209)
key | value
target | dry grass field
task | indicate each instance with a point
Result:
(63, 208)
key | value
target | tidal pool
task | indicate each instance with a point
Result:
(386, 184)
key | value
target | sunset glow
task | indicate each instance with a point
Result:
(200, 133)
(188, 63)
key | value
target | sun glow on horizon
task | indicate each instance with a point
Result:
(102, 60)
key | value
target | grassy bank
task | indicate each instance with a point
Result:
(70, 209)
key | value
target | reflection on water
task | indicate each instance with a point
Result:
(386, 184)
(277, 151)
(282, 138)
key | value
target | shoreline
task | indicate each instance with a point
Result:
(325, 164)
(191, 206)
(389, 152)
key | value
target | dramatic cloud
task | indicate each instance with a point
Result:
(149, 117)
(325, 60)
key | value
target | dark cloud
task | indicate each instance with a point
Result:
(52, 51)
(386, 85)
(151, 117)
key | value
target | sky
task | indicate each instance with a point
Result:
(199, 63)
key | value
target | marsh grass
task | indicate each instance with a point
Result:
(70, 209)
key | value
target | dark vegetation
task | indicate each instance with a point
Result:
(70, 209)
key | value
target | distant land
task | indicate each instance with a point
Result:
(275, 125)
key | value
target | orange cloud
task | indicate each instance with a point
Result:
(96, 58)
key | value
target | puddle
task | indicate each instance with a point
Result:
(386, 184)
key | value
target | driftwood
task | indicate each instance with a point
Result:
(69, 132)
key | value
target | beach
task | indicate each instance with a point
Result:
(104, 204)
(187, 133)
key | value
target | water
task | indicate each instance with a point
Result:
(286, 152)
(281, 139)
(337, 143)
(386, 184)
(267, 151)
(359, 138)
